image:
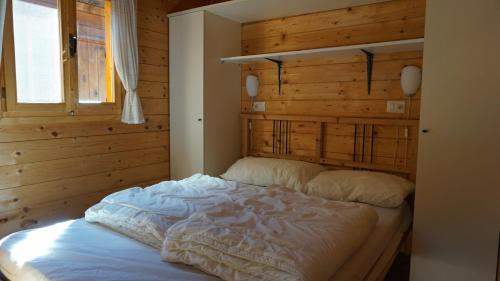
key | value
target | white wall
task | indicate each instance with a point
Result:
(457, 212)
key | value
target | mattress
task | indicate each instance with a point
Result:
(78, 250)
(391, 222)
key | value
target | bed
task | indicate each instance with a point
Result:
(87, 251)
(79, 250)
(108, 249)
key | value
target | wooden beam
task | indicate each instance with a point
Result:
(331, 119)
(253, 116)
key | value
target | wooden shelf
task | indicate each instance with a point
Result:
(374, 48)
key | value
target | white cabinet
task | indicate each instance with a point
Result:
(457, 200)
(205, 128)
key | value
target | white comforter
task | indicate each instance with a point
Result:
(146, 214)
(272, 235)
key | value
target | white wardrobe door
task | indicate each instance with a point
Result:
(222, 107)
(186, 95)
(457, 199)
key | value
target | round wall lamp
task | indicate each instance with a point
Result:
(411, 76)
(252, 85)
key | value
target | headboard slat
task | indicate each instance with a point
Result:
(369, 150)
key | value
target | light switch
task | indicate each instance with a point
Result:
(395, 106)
(259, 106)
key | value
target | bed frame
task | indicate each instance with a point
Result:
(362, 154)
(386, 259)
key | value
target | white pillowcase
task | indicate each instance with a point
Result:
(270, 171)
(374, 188)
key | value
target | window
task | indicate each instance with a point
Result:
(58, 57)
(36, 46)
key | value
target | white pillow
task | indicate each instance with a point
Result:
(268, 171)
(374, 188)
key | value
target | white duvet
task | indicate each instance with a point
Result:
(146, 214)
(273, 234)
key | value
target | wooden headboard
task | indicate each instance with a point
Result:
(378, 144)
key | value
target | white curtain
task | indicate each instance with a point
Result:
(125, 55)
(3, 7)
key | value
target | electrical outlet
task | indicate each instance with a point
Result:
(259, 106)
(395, 106)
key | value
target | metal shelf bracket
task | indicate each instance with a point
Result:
(280, 68)
(369, 68)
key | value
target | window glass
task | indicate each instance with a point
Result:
(37, 49)
(95, 67)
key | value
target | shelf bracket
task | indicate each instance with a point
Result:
(369, 68)
(280, 68)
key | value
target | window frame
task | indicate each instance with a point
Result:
(69, 76)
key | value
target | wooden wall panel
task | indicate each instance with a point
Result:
(368, 14)
(337, 86)
(368, 33)
(54, 168)
(149, 89)
(37, 128)
(27, 202)
(24, 152)
(152, 39)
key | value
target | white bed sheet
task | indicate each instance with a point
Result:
(78, 250)
(390, 222)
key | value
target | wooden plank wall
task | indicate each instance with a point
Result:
(53, 168)
(327, 86)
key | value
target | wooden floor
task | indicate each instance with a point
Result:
(400, 270)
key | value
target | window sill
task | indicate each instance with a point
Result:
(35, 113)
(82, 111)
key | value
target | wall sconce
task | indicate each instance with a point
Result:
(252, 85)
(411, 76)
